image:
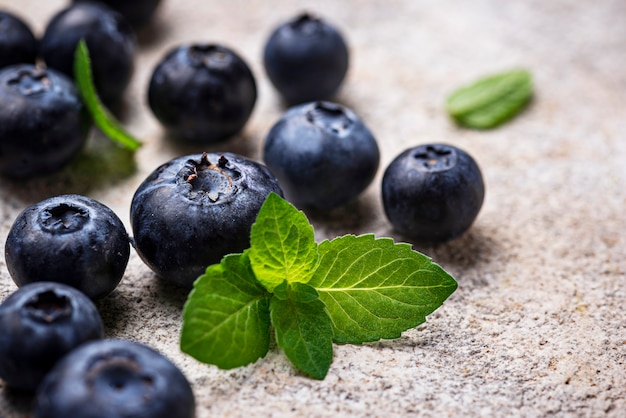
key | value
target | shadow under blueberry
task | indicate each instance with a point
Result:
(157, 29)
(352, 217)
(241, 144)
(100, 163)
(170, 295)
(468, 251)
(121, 110)
(113, 310)
(18, 401)
(420, 337)
(339, 98)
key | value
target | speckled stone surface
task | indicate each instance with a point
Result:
(538, 324)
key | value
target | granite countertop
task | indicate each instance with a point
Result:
(537, 326)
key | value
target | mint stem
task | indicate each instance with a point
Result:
(99, 113)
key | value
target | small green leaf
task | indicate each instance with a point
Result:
(283, 244)
(304, 332)
(491, 100)
(374, 288)
(226, 317)
(100, 114)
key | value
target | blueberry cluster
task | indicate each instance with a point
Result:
(43, 123)
(68, 250)
(64, 252)
(40, 323)
(191, 211)
(52, 343)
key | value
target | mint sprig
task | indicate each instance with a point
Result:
(491, 100)
(99, 113)
(351, 289)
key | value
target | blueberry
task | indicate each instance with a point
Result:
(193, 210)
(18, 45)
(433, 192)
(137, 12)
(39, 324)
(322, 154)
(43, 124)
(110, 40)
(306, 59)
(69, 239)
(114, 378)
(202, 93)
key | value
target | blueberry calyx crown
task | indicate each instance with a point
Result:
(116, 371)
(329, 117)
(209, 56)
(435, 158)
(212, 181)
(63, 218)
(49, 307)
(30, 82)
(306, 23)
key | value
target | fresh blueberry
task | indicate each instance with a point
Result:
(110, 40)
(202, 93)
(193, 210)
(433, 192)
(39, 324)
(322, 154)
(43, 124)
(137, 12)
(306, 59)
(18, 45)
(70, 239)
(114, 378)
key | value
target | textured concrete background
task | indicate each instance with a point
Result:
(537, 326)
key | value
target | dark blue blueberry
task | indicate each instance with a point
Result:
(43, 124)
(137, 12)
(193, 210)
(39, 324)
(202, 93)
(306, 59)
(433, 192)
(322, 155)
(69, 239)
(18, 45)
(110, 40)
(114, 378)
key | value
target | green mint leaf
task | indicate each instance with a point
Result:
(375, 288)
(226, 317)
(100, 114)
(283, 244)
(304, 332)
(492, 100)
